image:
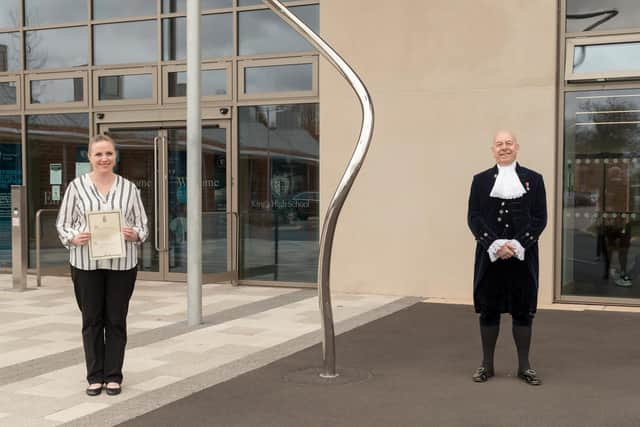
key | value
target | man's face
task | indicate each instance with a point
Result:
(504, 148)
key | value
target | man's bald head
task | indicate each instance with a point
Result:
(505, 147)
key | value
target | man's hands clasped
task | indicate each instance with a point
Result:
(506, 251)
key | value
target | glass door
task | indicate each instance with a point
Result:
(217, 221)
(154, 157)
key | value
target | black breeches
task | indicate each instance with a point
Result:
(492, 318)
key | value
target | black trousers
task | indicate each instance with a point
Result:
(103, 298)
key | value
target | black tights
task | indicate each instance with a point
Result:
(489, 330)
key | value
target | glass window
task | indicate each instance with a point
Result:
(255, 2)
(278, 194)
(9, 52)
(262, 31)
(180, 6)
(213, 83)
(587, 15)
(57, 91)
(131, 86)
(601, 194)
(8, 93)
(10, 174)
(607, 58)
(58, 48)
(10, 14)
(216, 38)
(48, 12)
(278, 78)
(59, 139)
(108, 9)
(125, 43)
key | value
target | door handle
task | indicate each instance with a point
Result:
(155, 191)
(165, 185)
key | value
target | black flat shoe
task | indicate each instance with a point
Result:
(94, 391)
(113, 391)
(530, 376)
(482, 374)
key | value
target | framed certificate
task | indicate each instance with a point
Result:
(106, 241)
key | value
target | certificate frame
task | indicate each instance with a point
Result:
(107, 241)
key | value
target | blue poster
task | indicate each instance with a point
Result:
(10, 174)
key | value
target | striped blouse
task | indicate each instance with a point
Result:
(81, 197)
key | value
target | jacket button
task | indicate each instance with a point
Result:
(526, 234)
(531, 238)
(506, 225)
(501, 211)
(502, 204)
(485, 234)
(499, 219)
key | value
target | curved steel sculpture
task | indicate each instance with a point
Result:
(338, 199)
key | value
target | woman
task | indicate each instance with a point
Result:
(103, 287)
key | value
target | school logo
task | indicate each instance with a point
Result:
(280, 185)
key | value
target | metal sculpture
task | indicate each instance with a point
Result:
(338, 199)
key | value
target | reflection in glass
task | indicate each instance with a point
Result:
(48, 12)
(604, 58)
(262, 31)
(58, 48)
(130, 86)
(8, 93)
(52, 138)
(135, 162)
(214, 200)
(278, 78)
(180, 6)
(9, 52)
(627, 16)
(10, 14)
(255, 2)
(216, 39)
(125, 43)
(278, 196)
(601, 195)
(57, 91)
(10, 174)
(213, 83)
(107, 9)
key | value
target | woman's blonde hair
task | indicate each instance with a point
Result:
(100, 138)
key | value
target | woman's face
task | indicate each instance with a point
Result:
(102, 156)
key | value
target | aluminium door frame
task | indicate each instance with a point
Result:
(161, 127)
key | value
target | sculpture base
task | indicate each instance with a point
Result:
(317, 376)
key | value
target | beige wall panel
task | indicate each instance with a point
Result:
(439, 94)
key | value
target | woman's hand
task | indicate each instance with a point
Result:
(81, 239)
(130, 234)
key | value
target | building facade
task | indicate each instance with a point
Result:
(443, 75)
(70, 69)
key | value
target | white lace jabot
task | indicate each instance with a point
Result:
(507, 185)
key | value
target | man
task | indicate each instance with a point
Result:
(507, 213)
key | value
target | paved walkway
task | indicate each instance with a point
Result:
(41, 361)
(413, 369)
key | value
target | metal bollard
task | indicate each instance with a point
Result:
(19, 237)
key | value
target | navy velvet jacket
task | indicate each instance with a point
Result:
(528, 218)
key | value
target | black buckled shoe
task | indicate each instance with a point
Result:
(94, 391)
(530, 376)
(482, 374)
